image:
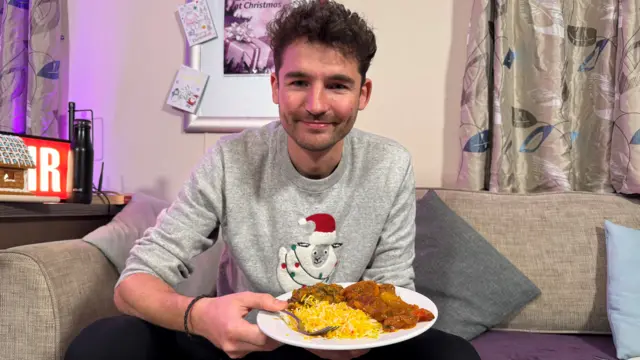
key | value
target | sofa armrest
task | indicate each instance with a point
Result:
(48, 293)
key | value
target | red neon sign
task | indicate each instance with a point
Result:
(51, 177)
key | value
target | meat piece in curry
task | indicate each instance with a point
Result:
(331, 293)
(382, 304)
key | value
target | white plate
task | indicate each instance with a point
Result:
(274, 327)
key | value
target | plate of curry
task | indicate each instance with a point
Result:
(365, 315)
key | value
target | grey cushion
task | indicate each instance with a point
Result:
(471, 283)
(116, 239)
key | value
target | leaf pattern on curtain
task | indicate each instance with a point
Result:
(551, 97)
(30, 51)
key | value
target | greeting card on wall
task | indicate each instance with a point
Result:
(247, 49)
(196, 22)
(187, 90)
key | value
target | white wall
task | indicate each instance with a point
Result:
(124, 54)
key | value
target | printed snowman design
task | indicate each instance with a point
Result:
(309, 262)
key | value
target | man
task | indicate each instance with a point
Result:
(299, 201)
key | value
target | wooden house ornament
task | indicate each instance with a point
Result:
(15, 162)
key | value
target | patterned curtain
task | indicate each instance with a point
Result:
(551, 97)
(30, 36)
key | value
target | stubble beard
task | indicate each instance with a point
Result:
(340, 130)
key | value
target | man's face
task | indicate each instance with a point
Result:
(319, 94)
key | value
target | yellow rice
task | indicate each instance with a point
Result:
(353, 323)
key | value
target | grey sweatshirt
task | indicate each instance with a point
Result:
(281, 230)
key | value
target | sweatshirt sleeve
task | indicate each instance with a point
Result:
(181, 231)
(393, 258)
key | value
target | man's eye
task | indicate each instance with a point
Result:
(337, 87)
(299, 83)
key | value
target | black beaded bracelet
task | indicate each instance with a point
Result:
(186, 313)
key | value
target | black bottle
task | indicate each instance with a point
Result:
(82, 149)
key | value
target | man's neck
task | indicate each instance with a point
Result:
(315, 164)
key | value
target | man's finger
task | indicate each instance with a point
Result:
(270, 345)
(237, 354)
(240, 348)
(249, 333)
(261, 301)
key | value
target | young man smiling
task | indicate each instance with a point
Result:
(300, 201)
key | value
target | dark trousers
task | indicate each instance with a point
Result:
(129, 338)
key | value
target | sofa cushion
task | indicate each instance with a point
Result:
(510, 345)
(557, 240)
(471, 283)
(623, 288)
(116, 239)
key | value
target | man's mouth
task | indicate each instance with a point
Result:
(316, 124)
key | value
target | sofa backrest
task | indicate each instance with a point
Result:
(558, 241)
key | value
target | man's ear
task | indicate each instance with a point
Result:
(274, 87)
(365, 94)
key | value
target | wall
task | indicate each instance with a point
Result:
(124, 54)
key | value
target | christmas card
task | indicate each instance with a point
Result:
(196, 22)
(187, 89)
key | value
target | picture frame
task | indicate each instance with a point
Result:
(229, 103)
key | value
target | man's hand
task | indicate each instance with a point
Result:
(221, 321)
(338, 354)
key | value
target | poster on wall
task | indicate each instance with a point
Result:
(247, 50)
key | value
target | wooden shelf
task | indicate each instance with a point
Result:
(39, 210)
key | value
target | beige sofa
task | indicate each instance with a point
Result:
(50, 291)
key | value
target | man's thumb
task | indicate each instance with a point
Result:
(264, 302)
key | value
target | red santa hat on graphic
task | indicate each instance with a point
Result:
(324, 229)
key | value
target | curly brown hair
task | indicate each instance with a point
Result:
(325, 22)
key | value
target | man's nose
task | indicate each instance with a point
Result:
(317, 103)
